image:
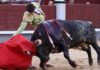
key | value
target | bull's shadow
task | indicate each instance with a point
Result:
(60, 35)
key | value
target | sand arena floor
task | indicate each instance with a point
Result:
(60, 63)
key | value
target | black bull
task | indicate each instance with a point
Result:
(80, 34)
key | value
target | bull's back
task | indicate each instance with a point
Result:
(80, 30)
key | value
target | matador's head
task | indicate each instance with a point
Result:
(30, 7)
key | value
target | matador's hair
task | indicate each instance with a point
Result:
(30, 7)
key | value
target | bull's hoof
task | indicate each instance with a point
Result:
(43, 69)
(91, 64)
(99, 60)
(49, 65)
(73, 64)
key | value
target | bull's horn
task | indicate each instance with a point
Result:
(38, 42)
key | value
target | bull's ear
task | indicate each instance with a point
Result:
(38, 42)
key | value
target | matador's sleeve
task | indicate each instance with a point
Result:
(27, 18)
(21, 28)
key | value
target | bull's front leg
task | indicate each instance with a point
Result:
(44, 57)
(66, 52)
(43, 61)
(43, 65)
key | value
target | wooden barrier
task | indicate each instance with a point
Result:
(84, 12)
(2, 17)
(11, 15)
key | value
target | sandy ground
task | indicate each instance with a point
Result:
(60, 63)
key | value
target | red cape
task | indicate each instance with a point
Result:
(12, 53)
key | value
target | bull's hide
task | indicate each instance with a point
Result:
(12, 53)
